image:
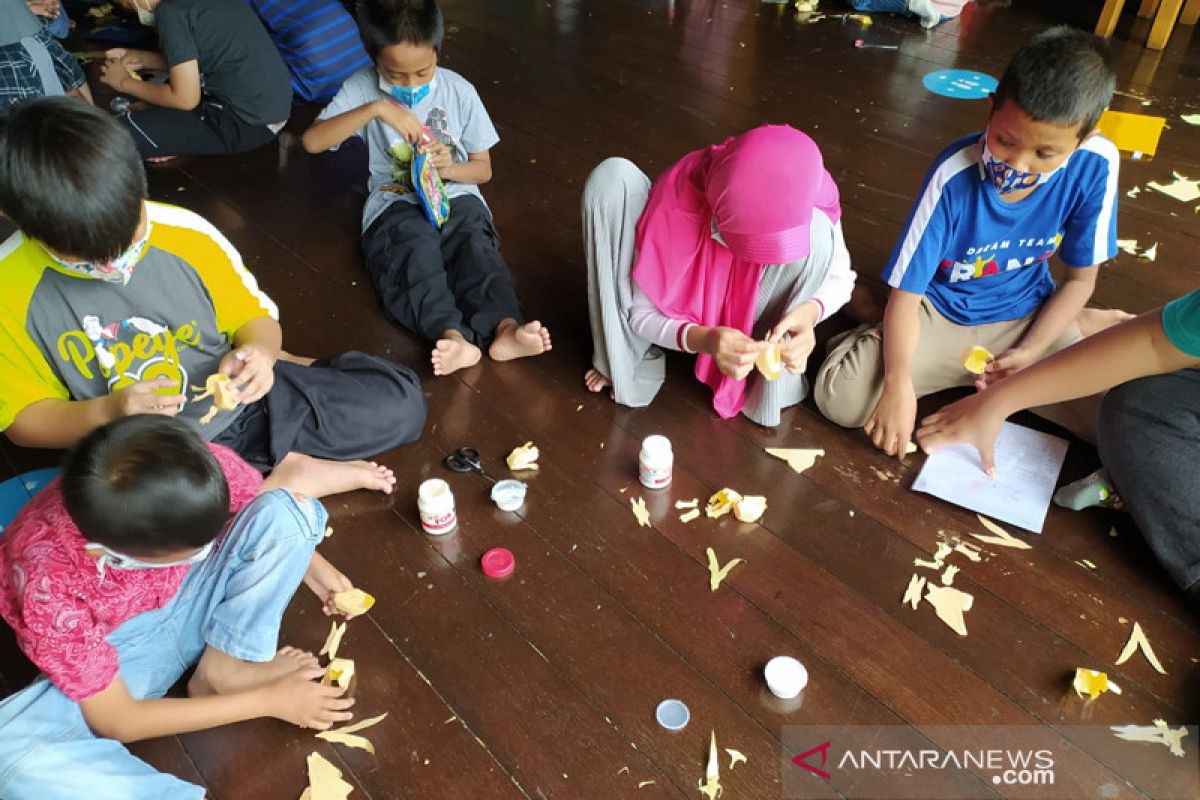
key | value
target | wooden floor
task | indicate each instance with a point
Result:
(545, 686)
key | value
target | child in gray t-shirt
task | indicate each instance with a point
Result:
(448, 284)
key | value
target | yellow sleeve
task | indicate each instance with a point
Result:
(235, 294)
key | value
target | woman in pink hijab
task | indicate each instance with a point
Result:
(735, 246)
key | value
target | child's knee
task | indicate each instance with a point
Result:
(612, 177)
(842, 395)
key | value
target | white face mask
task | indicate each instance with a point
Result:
(111, 558)
(145, 15)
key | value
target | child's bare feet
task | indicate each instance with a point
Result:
(514, 340)
(221, 673)
(326, 580)
(452, 352)
(319, 477)
(595, 380)
(1094, 320)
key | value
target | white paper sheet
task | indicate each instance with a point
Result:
(1027, 467)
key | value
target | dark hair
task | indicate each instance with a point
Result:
(1060, 77)
(71, 177)
(383, 23)
(145, 485)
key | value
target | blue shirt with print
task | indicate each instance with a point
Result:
(980, 259)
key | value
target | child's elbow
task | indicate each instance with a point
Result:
(310, 143)
(115, 728)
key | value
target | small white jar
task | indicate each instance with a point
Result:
(656, 462)
(435, 502)
(786, 677)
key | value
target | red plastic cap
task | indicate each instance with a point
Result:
(499, 562)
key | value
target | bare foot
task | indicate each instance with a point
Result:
(452, 352)
(514, 340)
(326, 580)
(1094, 320)
(318, 477)
(221, 673)
(595, 380)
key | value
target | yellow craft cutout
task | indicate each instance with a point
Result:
(717, 573)
(721, 503)
(969, 550)
(948, 575)
(1002, 538)
(735, 757)
(1138, 640)
(799, 459)
(223, 393)
(912, 595)
(770, 362)
(638, 505)
(682, 504)
(339, 671)
(334, 640)
(977, 359)
(688, 516)
(1090, 684)
(523, 458)
(346, 736)
(710, 786)
(950, 604)
(1158, 733)
(353, 602)
(939, 558)
(325, 780)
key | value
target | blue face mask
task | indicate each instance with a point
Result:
(1008, 178)
(410, 95)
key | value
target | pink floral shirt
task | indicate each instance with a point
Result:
(60, 607)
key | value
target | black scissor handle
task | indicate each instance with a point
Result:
(464, 459)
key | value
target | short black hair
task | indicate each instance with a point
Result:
(145, 485)
(1060, 77)
(383, 23)
(70, 177)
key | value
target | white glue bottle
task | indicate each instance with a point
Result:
(435, 502)
(656, 462)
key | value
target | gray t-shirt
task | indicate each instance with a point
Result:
(453, 112)
(17, 22)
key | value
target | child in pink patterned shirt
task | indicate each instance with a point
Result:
(153, 552)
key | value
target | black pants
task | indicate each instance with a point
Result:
(209, 129)
(430, 281)
(1149, 441)
(353, 406)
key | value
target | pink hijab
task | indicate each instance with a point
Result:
(761, 188)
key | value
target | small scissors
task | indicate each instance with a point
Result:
(466, 459)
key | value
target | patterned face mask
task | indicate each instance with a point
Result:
(116, 270)
(116, 560)
(408, 95)
(1008, 178)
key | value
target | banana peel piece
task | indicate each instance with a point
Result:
(353, 602)
(325, 780)
(976, 360)
(750, 508)
(339, 671)
(223, 392)
(347, 735)
(1090, 684)
(770, 362)
(523, 458)
(721, 503)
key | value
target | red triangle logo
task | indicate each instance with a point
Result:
(802, 760)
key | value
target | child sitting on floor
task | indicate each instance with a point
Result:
(1148, 432)
(32, 62)
(450, 285)
(126, 571)
(227, 88)
(971, 268)
(115, 306)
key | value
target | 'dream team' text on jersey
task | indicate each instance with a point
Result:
(980, 259)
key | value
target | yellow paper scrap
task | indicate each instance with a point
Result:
(644, 784)
(339, 671)
(1086, 563)
(1158, 733)
(976, 360)
(682, 504)
(1191, 119)
(1136, 133)
(639, 510)
(334, 640)
(717, 573)
(939, 558)
(969, 550)
(950, 604)
(1138, 640)
(325, 780)
(1150, 253)
(710, 785)
(1134, 192)
(524, 457)
(721, 503)
(750, 508)
(221, 390)
(864, 20)
(688, 516)
(1090, 684)
(799, 459)
(1128, 245)
(353, 602)
(346, 736)
(948, 575)
(1002, 538)
(912, 595)
(1185, 190)
(735, 758)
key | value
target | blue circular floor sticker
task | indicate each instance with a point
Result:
(961, 84)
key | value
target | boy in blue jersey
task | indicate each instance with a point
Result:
(971, 267)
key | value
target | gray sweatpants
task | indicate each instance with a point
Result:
(1149, 440)
(613, 200)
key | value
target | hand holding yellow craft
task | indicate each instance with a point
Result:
(977, 360)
